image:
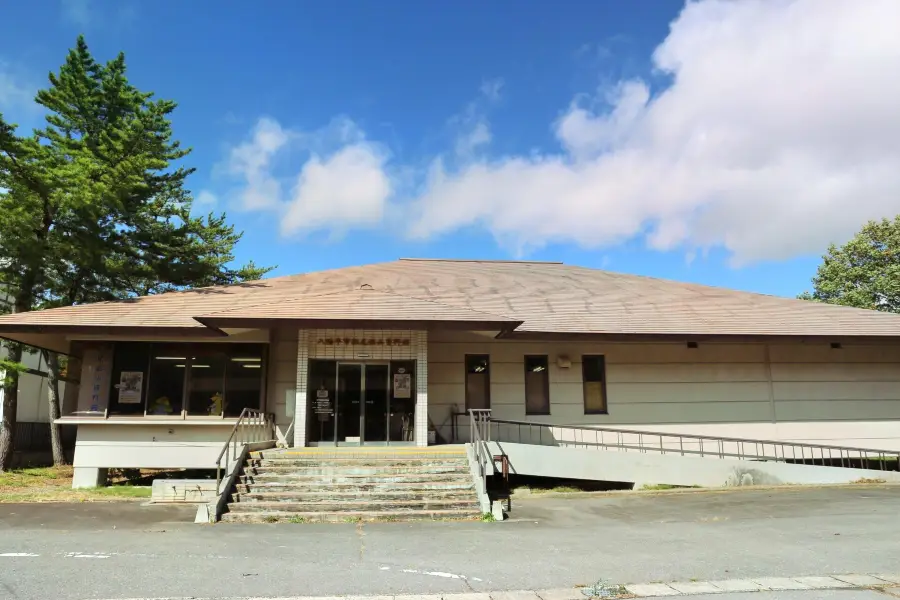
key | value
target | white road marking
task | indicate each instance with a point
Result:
(439, 574)
(17, 554)
(86, 555)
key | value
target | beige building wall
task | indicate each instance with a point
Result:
(800, 392)
(282, 382)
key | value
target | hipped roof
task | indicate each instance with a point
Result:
(525, 298)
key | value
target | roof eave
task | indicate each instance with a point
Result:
(552, 336)
(387, 324)
(11, 329)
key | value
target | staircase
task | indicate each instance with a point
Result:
(315, 486)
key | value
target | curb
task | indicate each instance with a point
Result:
(631, 590)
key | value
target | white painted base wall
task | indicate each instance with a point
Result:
(150, 446)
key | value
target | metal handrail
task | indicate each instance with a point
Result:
(720, 447)
(251, 426)
(480, 434)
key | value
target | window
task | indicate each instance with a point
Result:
(478, 381)
(206, 385)
(593, 371)
(537, 386)
(129, 386)
(192, 379)
(243, 379)
(168, 366)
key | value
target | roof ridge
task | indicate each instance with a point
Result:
(483, 260)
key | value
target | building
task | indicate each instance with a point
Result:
(33, 409)
(394, 353)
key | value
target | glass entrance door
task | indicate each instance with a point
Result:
(377, 410)
(349, 403)
(363, 403)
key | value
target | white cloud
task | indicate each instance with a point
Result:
(779, 133)
(205, 198)
(491, 89)
(78, 11)
(340, 183)
(349, 188)
(478, 134)
(252, 162)
(14, 91)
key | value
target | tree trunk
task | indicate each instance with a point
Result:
(10, 407)
(11, 386)
(52, 360)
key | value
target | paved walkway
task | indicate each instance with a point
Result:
(97, 551)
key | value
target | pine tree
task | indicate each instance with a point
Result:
(94, 206)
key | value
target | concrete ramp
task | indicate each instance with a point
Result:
(671, 469)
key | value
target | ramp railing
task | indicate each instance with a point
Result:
(633, 440)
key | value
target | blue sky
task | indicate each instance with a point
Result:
(638, 137)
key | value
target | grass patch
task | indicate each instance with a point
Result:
(54, 484)
(864, 480)
(487, 517)
(558, 489)
(665, 486)
(298, 520)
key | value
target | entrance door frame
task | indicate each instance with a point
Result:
(362, 410)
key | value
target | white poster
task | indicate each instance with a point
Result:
(131, 384)
(402, 385)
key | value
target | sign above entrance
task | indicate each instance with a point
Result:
(363, 342)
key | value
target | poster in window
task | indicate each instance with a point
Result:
(402, 385)
(131, 384)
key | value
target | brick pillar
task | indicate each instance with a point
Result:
(421, 429)
(300, 395)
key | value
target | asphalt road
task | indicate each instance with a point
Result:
(89, 551)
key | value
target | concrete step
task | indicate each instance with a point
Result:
(349, 497)
(344, 463)
(350, 516)
(250, 478)
(292, 485)
(352, 469)
(360, 454)
(399, 507)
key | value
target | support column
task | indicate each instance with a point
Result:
(300, 392)
(89, 477)
(421, 428)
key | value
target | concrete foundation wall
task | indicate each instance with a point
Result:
(150, 446)
(640, 468)
(799, 392)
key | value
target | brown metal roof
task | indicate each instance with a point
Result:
(545, 297)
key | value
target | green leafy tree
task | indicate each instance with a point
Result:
(864, 272)
(94, 207)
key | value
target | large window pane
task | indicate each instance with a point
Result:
(593, 369)
(537, 385)
(243, 379)
(128, 395)
(478, 381)
(206, 387)
(168, 366)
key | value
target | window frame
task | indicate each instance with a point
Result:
(602, 382)
(545, 385)
(199, 348)
(487, 386)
